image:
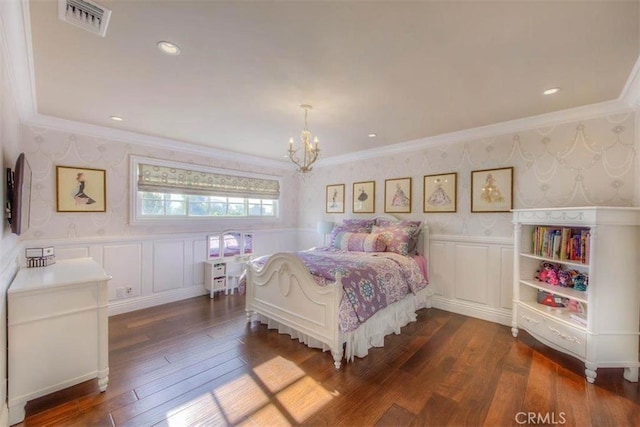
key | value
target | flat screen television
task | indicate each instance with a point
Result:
(19, 195)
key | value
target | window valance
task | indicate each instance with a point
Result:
(164, 179)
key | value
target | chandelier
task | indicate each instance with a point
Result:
(309, 150)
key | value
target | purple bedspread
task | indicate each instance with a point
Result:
(371, 281)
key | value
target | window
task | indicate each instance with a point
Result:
(171, 190)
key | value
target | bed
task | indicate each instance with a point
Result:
(284, 295)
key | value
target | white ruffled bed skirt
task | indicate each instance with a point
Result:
(370, 334)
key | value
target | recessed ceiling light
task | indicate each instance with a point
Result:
(551, 91)
(116, 118)
(372, 135)
(169, 48)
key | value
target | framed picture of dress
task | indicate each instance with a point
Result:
(492, 190)
(364, 197)
(397, 195)
(440, 192)
(80, 189)
(335, 198)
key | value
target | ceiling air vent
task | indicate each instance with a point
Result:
(85, 14)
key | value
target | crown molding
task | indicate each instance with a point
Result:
(15, 42)
(134, 138)
(550, 119)
(630, 94)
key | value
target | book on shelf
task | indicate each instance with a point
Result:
(565, 243)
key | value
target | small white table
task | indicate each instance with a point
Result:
(58, 331)
(223, 274)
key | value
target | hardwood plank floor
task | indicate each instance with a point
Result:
(197, 362)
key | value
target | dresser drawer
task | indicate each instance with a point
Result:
(530, 320)
(219, 270)
(219, 283)
(572, 339)
(552, 330)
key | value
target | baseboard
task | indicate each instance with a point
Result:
(133, 304)
(501, 316)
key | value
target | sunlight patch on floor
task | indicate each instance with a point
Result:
(276, 393)
(270, 416)
(278, 373)
(240, 398)
(304, 398)
(189, 413)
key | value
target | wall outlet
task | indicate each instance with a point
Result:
(120, 292)
(128, 291)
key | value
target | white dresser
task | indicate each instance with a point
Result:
(57, 330)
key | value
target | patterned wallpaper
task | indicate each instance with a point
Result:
(45, 149)
(591, 162)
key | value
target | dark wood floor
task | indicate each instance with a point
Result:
(196, 362)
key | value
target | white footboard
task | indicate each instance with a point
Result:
(284, 291)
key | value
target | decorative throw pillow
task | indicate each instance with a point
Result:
(389, 223)
(352, 226)
(359, 242)
(401, 239)
(360, 224)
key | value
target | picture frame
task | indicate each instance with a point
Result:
(80, 189)
(440, 193)
(397, 195)
(492, 190)
(335, 198)
(364, 197)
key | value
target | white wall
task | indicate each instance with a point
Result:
(580, 163)
(46, 148)
(10, 138)
(137, 256)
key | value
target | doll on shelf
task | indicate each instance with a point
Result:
(564, 279)
(580, 282)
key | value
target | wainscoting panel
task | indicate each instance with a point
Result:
(70, 252)
(471, 265)
(472, 275)
(199, 257)
(440, 277)
(124, 264)
(168, 265)
(506, 278)
(159, 269)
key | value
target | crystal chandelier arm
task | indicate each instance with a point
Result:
(310, 152)
(293, 158)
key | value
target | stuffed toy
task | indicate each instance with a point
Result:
(564, 279)
(575, 306)
(580, 282)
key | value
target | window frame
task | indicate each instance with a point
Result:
(135, 199)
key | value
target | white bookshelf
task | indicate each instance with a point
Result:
(609, 337)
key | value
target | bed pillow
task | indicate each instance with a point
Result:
(351, 226)
(389, 223)
(360, 224)
(359, 242)
(401, 239)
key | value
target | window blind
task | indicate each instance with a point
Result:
(163, 179)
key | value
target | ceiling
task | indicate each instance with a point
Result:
(402, 70)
